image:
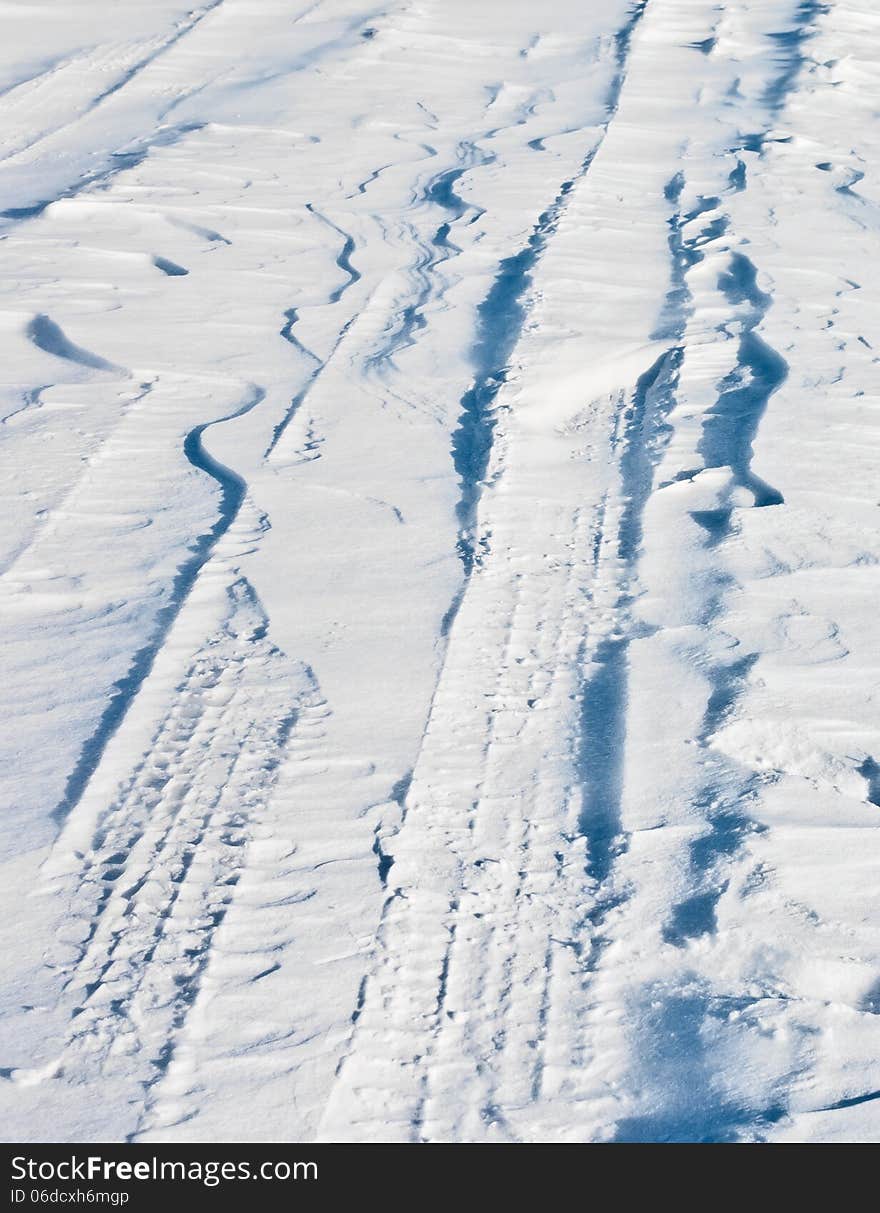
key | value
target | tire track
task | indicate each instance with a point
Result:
(435, 954)
(168, 851)
(500, 319)
(232, 491)
(681, 1094)
(94, 63)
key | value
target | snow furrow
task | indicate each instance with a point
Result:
(500, 319)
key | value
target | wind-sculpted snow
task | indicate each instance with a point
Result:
(439, 571)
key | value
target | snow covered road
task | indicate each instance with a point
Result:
(438, 571)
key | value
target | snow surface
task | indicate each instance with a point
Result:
(439, 570)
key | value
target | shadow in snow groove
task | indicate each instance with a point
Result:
(291, 319)
(102, 178)
(170, 268)
(678, 1029)
(870, 772)
(49, 337)
(730, 428)
(192, 20)
(790, 53)
(676, 1034)
(728, 434)
(500, 318)
(439, 192)
(722, 801)
(343, 257)
(232, 490)
(604, 696)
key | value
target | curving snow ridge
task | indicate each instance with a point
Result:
(438, 571)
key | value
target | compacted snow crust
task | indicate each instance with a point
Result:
(439, 570)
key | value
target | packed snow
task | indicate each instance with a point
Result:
(439, 570)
